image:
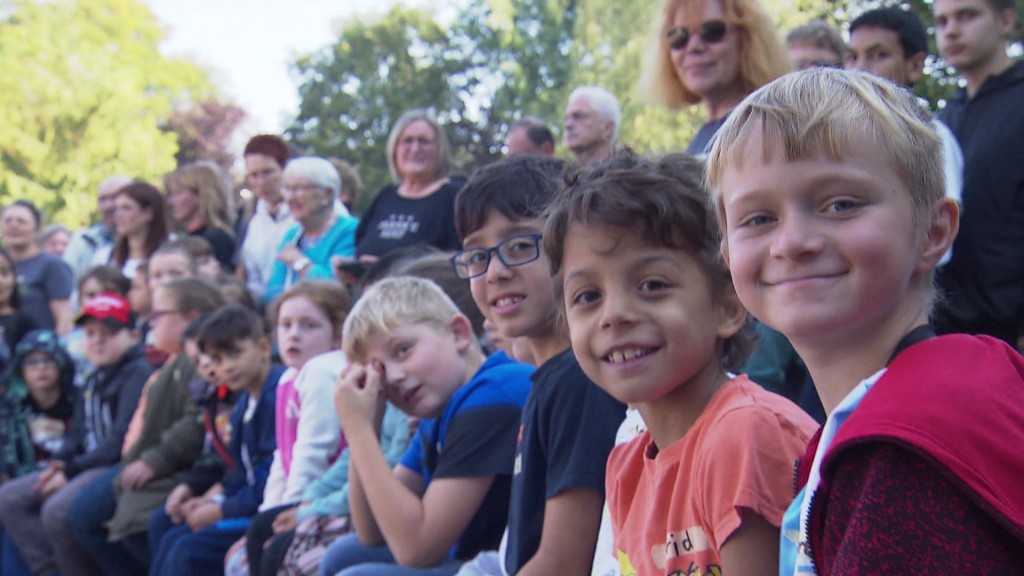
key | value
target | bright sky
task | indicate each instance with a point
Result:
(249, 44)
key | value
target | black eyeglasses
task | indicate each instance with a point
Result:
(512, 251)
(710, 32)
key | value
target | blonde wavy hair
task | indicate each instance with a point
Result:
(206, 180)
(763, 56)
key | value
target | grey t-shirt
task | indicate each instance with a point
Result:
(42, 279)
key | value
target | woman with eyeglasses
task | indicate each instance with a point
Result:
(418, 208)
(711, 52)
(199, 204)
(310, 187)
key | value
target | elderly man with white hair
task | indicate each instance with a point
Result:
(311, 186)
(591, 124)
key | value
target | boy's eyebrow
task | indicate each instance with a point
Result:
(645, 261)
(507, 232)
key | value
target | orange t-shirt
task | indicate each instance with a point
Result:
(672, 509)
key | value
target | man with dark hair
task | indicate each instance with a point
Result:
(530, 135)
(888, 42)
(984, 282)
(892, 43)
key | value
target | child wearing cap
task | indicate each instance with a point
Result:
(33, 508)
(36, 402)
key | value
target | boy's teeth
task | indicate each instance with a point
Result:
(624, 355)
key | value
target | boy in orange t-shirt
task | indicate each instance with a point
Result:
(655, 322)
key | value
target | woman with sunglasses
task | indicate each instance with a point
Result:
(712, 52)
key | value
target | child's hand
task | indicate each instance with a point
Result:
(188, 506)
(203, 515)
(57, 481)
(51, 469)
(136, 475)
(178, 496)
(358, 398)
(289, 255)
(286, 520)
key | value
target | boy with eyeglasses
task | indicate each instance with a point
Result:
(569, 424)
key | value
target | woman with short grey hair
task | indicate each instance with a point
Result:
(310, 187)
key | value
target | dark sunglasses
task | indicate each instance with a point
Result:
(710, 32)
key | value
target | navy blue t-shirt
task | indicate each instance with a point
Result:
(568, 430)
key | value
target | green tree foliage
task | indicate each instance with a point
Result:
(85, 93)
(352, 92)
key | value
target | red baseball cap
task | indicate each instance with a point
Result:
(110, 308)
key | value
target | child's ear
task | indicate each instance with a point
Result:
(724, 248)
(731, 313)
(265, 346)
(462, 329)
(942, 228)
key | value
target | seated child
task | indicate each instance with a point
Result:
(94, 281)
(654, 320)
(829, 191)
(110, 517)
(235, 342)
(568, 425)
(448, 498)
(36, 403)
(308, 318)
(34, 508)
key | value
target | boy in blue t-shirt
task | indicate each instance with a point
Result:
(448, 498)
(235, 343)
(569, 424)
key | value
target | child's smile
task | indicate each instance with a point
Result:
(643, 317)
(820, 247)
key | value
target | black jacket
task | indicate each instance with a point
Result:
(103, 411)
(984, 281)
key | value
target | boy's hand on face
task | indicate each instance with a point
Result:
(203, 515)
(359, 398)
(136, 475)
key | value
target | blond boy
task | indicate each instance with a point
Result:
(447, 499)
(829, 190)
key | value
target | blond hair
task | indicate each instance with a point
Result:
(394, 302)
(763, 56)
(824, 111)
(206, 180)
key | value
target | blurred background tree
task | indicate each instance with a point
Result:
(86, 94)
